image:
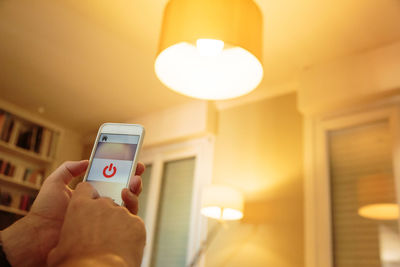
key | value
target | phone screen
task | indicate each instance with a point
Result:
(112, 164)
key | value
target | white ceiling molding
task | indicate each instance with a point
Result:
(360, 77)
(259, 94)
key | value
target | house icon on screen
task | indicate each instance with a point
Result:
(104, 139)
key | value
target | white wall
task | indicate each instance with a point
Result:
(356, 78)
(258, 150)
(179, 123)
(70, 147)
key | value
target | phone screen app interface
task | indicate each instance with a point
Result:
(112, 164)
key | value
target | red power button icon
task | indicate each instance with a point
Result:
(111, 171)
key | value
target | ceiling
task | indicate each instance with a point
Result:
(87, 62)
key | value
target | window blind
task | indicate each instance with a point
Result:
(356, 153)
(172, 230)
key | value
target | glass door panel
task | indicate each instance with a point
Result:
(363, 197)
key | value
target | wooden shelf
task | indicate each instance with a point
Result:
(12, 181)
(13, 210)
(25, 153)
(26, 129)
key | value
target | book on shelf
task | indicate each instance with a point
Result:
(10, 199)
(15, 199)
(38, 140)
(24, 134)
(46, 139)
(2, 121)
(24, 137)
(7, 168)
(5, 197)
(28, 138)
(33, 139)
(4, 124)
(7, 127)
(14, 132)
(25, 202)
(32, 176)
(20, 173)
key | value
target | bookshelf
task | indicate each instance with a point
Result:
(28, 147)
(9, 181)
(10, 148)
(13, 210)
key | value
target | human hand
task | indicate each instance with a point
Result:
(28, 241)
(97, 231)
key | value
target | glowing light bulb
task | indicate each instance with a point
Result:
(222, 203)
(381, 211)
(209, 47)
(222, 214)
(232, 73)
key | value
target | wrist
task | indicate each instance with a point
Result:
(15, 240)
(23, 241)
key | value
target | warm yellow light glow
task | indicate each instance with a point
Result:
(222, 203)
(228, 73)
(382, 211)
(227, 214)
(209, 47)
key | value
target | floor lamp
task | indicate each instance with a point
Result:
(221, 203)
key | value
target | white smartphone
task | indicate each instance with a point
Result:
(114, 158)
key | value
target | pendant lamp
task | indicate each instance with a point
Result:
(210, 49)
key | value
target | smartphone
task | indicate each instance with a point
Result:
(114, 158)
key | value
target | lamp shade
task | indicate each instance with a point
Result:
(222, 202)
(210, 49)
(376, 197)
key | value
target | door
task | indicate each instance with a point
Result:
(170, 201)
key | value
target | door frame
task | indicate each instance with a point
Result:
(202, 149)
(317, 194)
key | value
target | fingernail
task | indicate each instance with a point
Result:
(136, 185)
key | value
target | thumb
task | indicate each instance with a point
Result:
(51, 258)
(85, 190)
(68, 170)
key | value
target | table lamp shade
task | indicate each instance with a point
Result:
(210, 49)
(222, 202)
(376, 197)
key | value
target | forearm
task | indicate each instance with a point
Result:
(15, 238)
(24, 244)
